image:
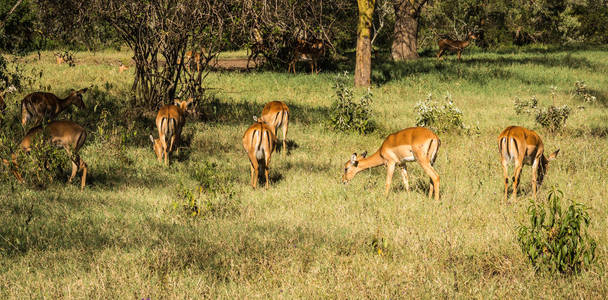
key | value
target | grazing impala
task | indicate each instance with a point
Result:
(523, 146)
(307, 51)
(39, 105)
(454, 45)
(411, 144)
(68, 135)
(276, 114)
(169, 121)
(258, 141)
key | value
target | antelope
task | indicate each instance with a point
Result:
(2, 103)
(122, 67)
(258, 141)
(193, 56)
(454, 45)
(256, 49)
(411, 144)
(66, 134)
(276, 114)
(307, 51)
(169, 121)
(59, 59)
(523, 146)
(39, 105)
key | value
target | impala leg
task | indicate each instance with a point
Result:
(84, 168)
(440, 53)
(534, 176)
(74, 170)
(390, 169)
(405, 178)
(505, 174)
(284, 129)
(459, 52)
(267, 167)
(254, 170)
(518, 166)
(430, 171)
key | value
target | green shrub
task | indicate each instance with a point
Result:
(348, 115)
(553, 118)
(556, 240)
(581, 92)
(525, 106)
(441, 117)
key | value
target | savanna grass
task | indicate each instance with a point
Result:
(307, 236)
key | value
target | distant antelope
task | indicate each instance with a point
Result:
(193, 57)
(59, 59)
(258, 141)
(307, 51)
(276, 114)
(39, 105)
(169, 121)
(523, 146)
(256, 49)
(411, 144)
(68, 135)
(122, 67)
(455, 45)
(2, 103)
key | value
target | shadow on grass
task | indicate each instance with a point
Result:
(450, 70)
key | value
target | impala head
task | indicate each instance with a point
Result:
(158, 148)
(471, 35)
(544, 165)
(76, 97)
(184, 104)
(351, 168)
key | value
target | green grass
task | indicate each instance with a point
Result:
(308, 236)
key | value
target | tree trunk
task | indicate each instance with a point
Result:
(363, 67)
(405, 42)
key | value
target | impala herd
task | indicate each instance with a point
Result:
(516, 145)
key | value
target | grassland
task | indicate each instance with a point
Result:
(128, 234)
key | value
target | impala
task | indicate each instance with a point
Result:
(307, 51)
(454, 45)
(256, 49)
(2, 104)
(68, 135)
(258, 141)
(169, 121)
(59, 59)
(523, 146)
(276, 114)
(39, 105)
(411, 144)
(122, 67)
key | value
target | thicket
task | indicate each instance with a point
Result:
(346, 114)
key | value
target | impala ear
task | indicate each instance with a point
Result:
(152, 139)
(553, 155)
(255, 118)
(353, 158)
(364, 154)
(83, 91)
(177, 102)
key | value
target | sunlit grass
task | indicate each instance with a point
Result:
(308, 236)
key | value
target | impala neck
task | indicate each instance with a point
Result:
(371, 161)
(466, 43)
(65, 102)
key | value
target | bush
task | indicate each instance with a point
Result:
(556, 240)
(581, 92)
(348, 115)
(525, 106)
(440, 117)
(553, 117)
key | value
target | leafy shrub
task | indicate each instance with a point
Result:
(553, 117)
(581, 91)
(441, 117)
(348, 115)
(525, 106)
(556, 240)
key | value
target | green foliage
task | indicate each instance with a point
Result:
(347, 114)
(525, 106)
(556, 240)
(553, 117)
(440, 117)
(581, 92)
